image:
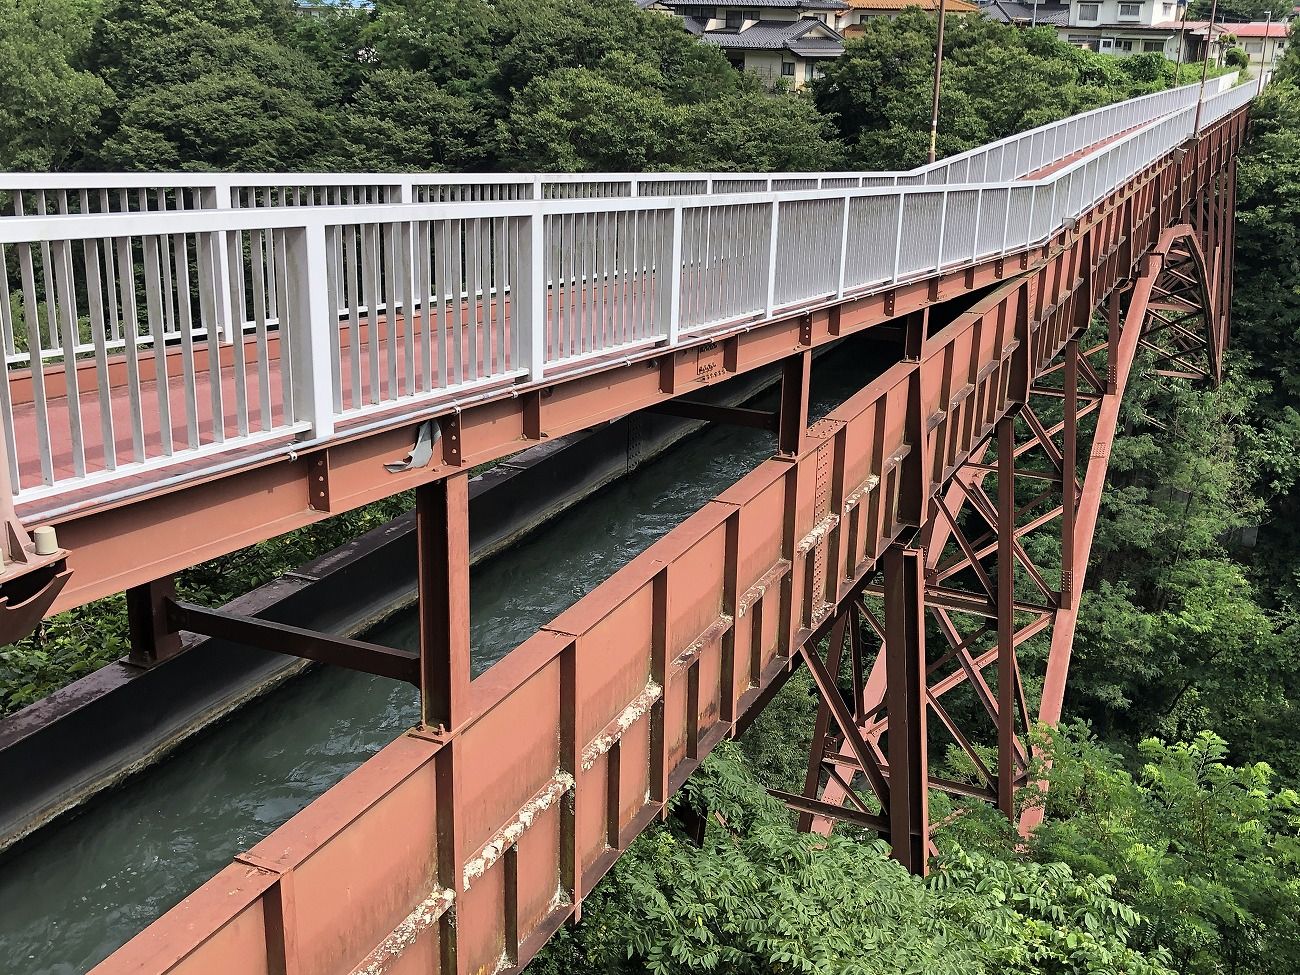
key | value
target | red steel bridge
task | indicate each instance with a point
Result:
(197, 363)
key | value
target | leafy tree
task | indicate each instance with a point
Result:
(210, 85)
(580, 85)
(50, 105)
(998, 80)
(1241, 11)
(1205, 851)
(757, 897)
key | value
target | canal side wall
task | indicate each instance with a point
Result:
(98, 731)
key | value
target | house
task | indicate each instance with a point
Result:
(860, 11)
(781, 41)
(1124, 27)
(1265, 43)
(1027, 14)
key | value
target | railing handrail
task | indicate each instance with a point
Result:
(76, 226)
(578, 277)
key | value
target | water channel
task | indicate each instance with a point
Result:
(78, 890)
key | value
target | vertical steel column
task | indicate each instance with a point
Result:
(1006, 582)
(442, 547)
(1069, 472)
(152, 641)
(905, 695)
(442, 542)
(796, 372)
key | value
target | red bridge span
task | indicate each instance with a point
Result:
(255, 355)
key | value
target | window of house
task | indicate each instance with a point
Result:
(787, 69)
(1153, 47)
(1254, 47)
(736, 18)
(1089, 11)
(1124, 46)
(863, 18)
(704, 13)
(1133, 10)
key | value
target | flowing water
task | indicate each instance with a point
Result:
(78, 890)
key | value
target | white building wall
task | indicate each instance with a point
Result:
(1093, 13)
(1116, 40)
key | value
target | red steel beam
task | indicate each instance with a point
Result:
(463, 849)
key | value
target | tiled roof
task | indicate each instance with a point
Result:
(1261, 29)
(1014, 12)
(774, 35)
(765, 4)
(952, 6)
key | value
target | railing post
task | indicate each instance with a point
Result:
(674, 270)
(844, 245)
(532, 344)
(898, 235)
(943, 226)
(770, 304)
(220, 197)
(311, 328)
(10, 539)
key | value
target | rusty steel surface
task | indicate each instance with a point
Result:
(465, 844)
(1173, 306)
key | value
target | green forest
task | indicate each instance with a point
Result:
(1171, 841)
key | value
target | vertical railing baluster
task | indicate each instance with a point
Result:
(180, 247)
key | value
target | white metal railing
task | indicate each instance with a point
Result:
(136, 303)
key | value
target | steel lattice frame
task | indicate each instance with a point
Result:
(968, 573)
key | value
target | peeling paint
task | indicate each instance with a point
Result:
(855, 497)
(709, 636)
(509, 834)
(631, 714)
(760, 588)
(820, 531)
(425, 916)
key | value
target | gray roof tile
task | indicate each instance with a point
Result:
(771, 35)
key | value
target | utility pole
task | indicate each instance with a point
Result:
(938, 74)
(1263, 52)
(1205, 67)
(1182, 40)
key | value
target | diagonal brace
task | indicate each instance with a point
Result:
(294, 641)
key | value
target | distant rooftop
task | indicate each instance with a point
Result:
(1015, 12)
(952, 6)
(1280, 31)
(763, 4)
(807, 38)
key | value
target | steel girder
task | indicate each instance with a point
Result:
(969, 574)
(463, 845)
